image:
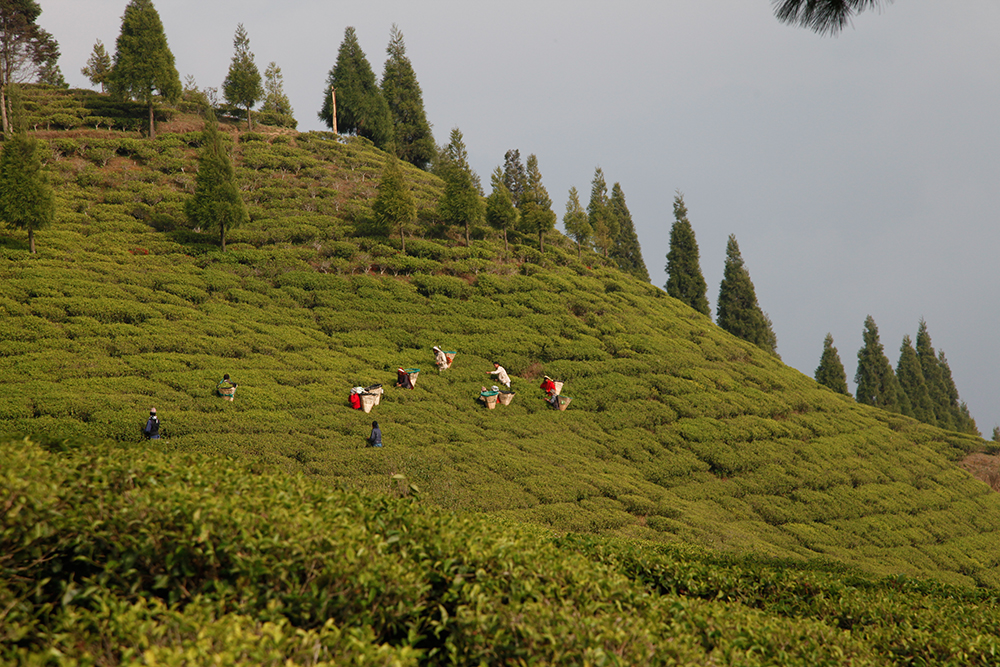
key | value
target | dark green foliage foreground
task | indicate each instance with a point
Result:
(122, 556)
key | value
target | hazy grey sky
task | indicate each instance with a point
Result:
(859, 173)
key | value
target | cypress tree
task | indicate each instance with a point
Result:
(738, 311)
(500, 211)
(964, 423)
(599, 214)
(830, 372)
(934, 379)
(26, 50)
(394, 208)
(361, 108)
(514, 176)
(461, 203)
(576, 223)
(276, 107)
(414, 142)
(143, 61)
(626, 251)
(684, 279)
(98, 66)
(914, 386)
(876, 383)
(216, 203)
(26, 197)
(242, 87)
(537, 216)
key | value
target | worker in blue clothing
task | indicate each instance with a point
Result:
(375, 439)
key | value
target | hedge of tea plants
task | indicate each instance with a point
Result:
(677, 432)
(119, 555)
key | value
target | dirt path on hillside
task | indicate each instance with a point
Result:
(984, 467)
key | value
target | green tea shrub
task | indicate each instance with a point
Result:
(447, 286)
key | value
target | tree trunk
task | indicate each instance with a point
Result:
(466, 233)
(402, 239)
(31, 241)
(249, 121)
(3, 109)
(222, 236)
(506, 250)
(152, 127)
(541, 242)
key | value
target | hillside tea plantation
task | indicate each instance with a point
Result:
(189, 559)
(698, 502)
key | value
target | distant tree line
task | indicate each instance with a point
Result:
(921, 386)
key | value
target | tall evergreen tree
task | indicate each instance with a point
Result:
(216, 203)
(26, 198)
(537, 216)
(876, 383)
(684, 279)
(830, 372)
(26, 49)
(242, 87)
(599, 214)
(500, 211)
(394, 209)
(361, 108)
(276, 103)
(576, 223)
(934, 378)
(964, 423)
(98, 67)
(738, 311)
(414, 142)
(144, 64)
(914, 386)
(461, 203)
(514, 176)
(626, 251)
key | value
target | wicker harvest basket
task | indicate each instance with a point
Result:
(489, 398)
(376, 390)
(505, 397)
(368, 401)
(564, 402)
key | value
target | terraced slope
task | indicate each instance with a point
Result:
(677, 432)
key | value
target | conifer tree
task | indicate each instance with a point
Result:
(537, 216)
(500, 211)
(242, 87)
(27, 200)
(914, 386)
(276, 104)
(414, 142)
(876, 383)
(27, 51)
(216, 203)
(394, 209)
(830, 372)
(738, 311)
(361, 108)
(576, 222)
(963, 421)
(996, 434)
(626, 251)
(599, 215)
(934, 378)
(98, 66)
(461, 203)
(143, 63)
(684, 278)
(514, 176)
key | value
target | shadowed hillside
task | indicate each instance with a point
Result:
(678, 433)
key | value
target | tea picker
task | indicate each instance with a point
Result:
(501, 374)
(152, 428)
(226, 388)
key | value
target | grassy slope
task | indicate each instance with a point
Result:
(678, 432)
